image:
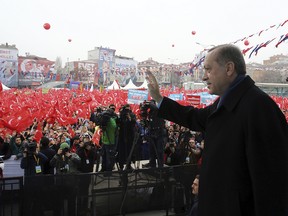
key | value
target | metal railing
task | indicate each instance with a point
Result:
(99, 194)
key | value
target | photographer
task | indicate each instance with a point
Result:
(172, 156)
(32, 162)
(127, 123)
(65, 161)
(88, 155)
(107, 123)
(156, 132)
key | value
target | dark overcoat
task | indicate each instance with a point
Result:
(245, 159)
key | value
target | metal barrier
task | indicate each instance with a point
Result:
(11, 196)
(100, 194)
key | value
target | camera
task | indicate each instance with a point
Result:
(65, 150)
(64, 169)
(144, 113)
(103, 118)
(30, 148)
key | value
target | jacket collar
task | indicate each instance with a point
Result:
(232, 98)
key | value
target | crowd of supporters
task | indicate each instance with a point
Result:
(124, 139)
(157, 139)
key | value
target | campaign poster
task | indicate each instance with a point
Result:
(9, 67)
(35, 71)
(106, 62)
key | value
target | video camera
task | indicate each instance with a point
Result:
(30, 148)
(65, 150)
(103, 118)
(144, 112)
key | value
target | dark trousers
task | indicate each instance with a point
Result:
(108, 158)
(156, 147)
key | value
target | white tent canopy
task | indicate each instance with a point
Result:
(4, 87)
(130, 85)
(144, 85)
(114, 86)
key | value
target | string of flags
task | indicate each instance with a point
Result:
(257, 47)
(254, 49)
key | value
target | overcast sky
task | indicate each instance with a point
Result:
(141, 28)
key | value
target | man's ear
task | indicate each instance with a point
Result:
(230, 68)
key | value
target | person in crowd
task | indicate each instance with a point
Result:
(66, 164)
(195, 187)
(75, 143)
(65, 161)
(193, 153)
(49, 153)
(108, 142)
(127, 122)
(88, 155)
(5, 150)
(16, 145)
(93, 116)
(246, 138)
(172, 156)
(156, 133)
(53, 144)
(33, 163)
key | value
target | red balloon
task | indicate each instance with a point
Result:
(193, 32)
(46, 26)
(69, 40)
(246, 42)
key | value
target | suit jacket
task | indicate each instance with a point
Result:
(245, 159)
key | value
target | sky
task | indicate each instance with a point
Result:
(141, 29)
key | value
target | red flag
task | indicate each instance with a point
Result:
(38, 134)
(96, 136)
(71, 131)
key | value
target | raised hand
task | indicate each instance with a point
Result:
(153, 87)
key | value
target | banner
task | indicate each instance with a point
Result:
(194, 100)
(9, 67)
(137, 96)
(176, 97)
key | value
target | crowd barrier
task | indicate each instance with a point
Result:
(99, 194)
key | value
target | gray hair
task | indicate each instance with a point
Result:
(229, 52)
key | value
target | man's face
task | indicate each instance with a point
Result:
(18, 141)
(215, 75)
(195, 186)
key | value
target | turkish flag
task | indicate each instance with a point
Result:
(96, 136)
(38, 134)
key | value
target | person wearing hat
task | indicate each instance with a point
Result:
(66, 163)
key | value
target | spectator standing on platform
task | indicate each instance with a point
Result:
(33, 164)
(49, 153)
(108, 141)
(127, 122)
(66, 163)
(246, 140)
(156, 133)
(88, 155)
